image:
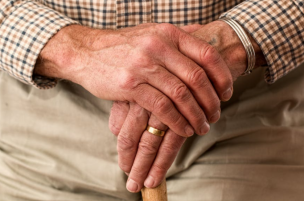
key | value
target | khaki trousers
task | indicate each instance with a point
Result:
(55, 145)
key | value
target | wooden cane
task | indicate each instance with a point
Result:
(155, 194)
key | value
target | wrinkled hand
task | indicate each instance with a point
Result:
(148, 157)
(157, 66)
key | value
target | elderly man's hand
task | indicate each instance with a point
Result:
(139, 152)
(148, 157)
(157, 66)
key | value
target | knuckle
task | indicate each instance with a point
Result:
(210, 54)
(125, 144)
(151, 43)
(179, 122)
(171, 149)
(167, 27)
(115, 130)
(147, 148)
(138, 172)
(198, 78)
(160, 170)
(128, 81)
(142, 59)
(161, 104)
(137, 112)
(225, 83)
(181, 92)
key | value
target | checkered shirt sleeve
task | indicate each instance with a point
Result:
(25, 27)
(278, 28)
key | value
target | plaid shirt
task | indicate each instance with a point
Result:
(27, 25)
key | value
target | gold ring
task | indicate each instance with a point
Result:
(155, 131)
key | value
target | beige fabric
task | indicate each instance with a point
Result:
(56, 145)
(255, 152)
(26, 26)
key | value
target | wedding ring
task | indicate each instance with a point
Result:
(155, 131)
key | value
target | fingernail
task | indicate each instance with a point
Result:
(205, 128)
(227, 94)
(132, 186)
(149, 182)
(215, 117)
(189, 130)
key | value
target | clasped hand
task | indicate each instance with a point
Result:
(156, 73)
(146, 157)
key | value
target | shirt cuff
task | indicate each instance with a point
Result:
(278, 28)
(25, 28)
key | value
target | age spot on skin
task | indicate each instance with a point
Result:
(213, 41)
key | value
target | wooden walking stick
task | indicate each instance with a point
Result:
(155, 194)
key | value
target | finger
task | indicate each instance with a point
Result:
(167, 152)
(161, 106)
(191, 28)
(193, 75)
(129, 136)
(119, 112)
(179, 93)
(147, 150)
(207, 56)
(202, 89)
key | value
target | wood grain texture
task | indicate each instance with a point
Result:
(155, 194)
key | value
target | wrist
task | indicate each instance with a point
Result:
(61, 56)
(220, 35)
